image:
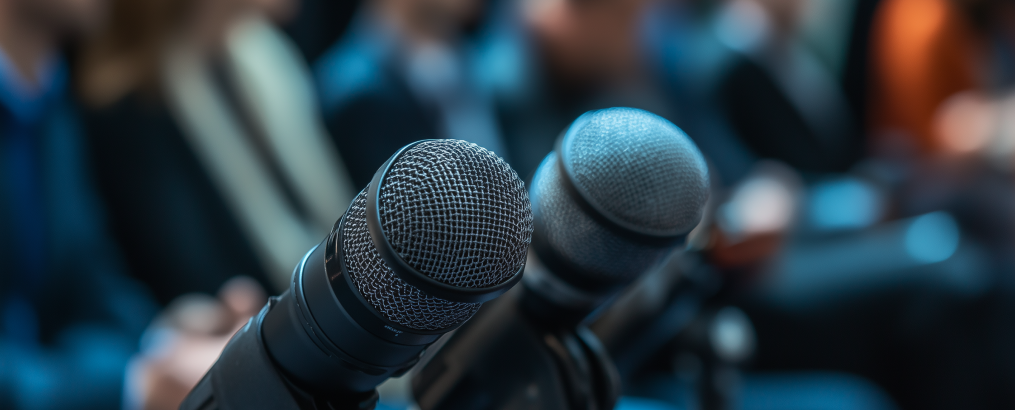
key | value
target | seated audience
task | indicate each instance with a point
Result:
(401, 74)
(69, 318)
(207, 145)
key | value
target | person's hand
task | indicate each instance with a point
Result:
(184, 342)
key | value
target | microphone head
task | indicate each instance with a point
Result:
(453, 211)
(621, 191)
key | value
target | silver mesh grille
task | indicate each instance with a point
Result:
(457, 213)
(594, 250)
(453, 211)
(640, 169)
(635, 166)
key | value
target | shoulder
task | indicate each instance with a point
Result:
(351, 68)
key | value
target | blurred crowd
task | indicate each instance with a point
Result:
(165, 163)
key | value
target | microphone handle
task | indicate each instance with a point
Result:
(244, 377)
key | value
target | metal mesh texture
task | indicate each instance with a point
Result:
(599, 255)
(635, 166)
(640, 169)
(457, 213)
(453, 211)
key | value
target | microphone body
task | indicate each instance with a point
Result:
(332, 346)
(619, 193)
(503, 359)
(443, 227)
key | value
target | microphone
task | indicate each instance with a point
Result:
(620, 192)
(443, 227)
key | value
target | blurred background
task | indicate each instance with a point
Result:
(165, 163)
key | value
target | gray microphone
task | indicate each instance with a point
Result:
(443, 227)
(620, 192)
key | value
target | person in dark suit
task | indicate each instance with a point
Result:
(547, 62)
(69, 318)
(783, 102)
(402, 74)
(207, 144)
(209, 151)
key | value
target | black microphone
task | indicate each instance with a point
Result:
(443, 227)
(619, 193)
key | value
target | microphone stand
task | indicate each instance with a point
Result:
(654, 311)
(722, 339)
(671, 312)
(504, 359)
(244, 377)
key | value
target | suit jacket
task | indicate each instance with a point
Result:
(368, 106)
(176, 230)
(69, 318)
(227, 171)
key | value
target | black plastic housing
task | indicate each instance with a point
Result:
(406, 272)
(327, 339)
(325, 336)
(504, 360)
(244, 378)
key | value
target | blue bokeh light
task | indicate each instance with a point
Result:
(844, 204)
(932, 238)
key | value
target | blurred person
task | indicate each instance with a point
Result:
(207, 143)
(941, 71)
(689, 59)
(546, 62)
(780, 98)
(925, 51)
(910, 303)
(69, 319)
(319, 23)
(919, 302)
(185, 340)
(401, 74)
(210, 152)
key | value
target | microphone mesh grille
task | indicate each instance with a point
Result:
(598, 253)
(636, 167)
(641, 169)
(453, 211)
(396, 300)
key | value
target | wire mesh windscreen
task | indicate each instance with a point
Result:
(453, 211)
(596, 252)
(637, 168)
